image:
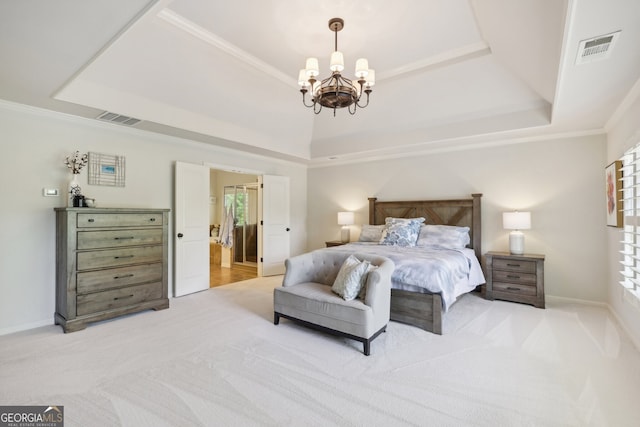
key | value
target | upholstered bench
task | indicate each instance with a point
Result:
(306, 296)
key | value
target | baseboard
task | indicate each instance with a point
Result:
(604, 305)
(25, 327)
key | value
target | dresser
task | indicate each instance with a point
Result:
(517, 278)
(109, 262)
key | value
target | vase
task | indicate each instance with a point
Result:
(73, 190)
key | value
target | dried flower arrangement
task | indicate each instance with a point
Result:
(76, 162)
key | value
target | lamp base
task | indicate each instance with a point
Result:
(344, 234)
(516, 242)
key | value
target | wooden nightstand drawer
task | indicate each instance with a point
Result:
(516, 278)
(512, 265)
(513, 276)
(519, 289)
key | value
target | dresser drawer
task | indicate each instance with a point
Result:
(118, 238)
(514, 265)
(117, 298)
(119, 257)
(118, 220)
(520, 289)
(93, 281)
(514, 277)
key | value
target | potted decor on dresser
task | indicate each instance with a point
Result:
(75, 162)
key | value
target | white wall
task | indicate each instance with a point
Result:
(624, 134)
(559, 181)
(34, 146)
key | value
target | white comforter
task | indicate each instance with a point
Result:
(449, 272)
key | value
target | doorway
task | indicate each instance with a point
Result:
(242, 202)
(234, 194)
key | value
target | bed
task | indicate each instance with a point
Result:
(423, 308)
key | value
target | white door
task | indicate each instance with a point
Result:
(275, 225)
(191, 228)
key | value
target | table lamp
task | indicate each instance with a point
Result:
(516, 221)
(345, 219)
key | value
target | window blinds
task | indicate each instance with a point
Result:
(630, 243)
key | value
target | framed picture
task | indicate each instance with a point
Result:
(613, 177)
(106, 169)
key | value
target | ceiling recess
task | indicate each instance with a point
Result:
(118, 118)
(596, 48)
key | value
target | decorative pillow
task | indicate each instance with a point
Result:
(371, 233)
(363, 291)
(350, 278)
(401, 231)
(444, 236)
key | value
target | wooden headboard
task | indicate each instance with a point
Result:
(460, 212)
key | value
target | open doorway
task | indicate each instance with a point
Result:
(233, 214)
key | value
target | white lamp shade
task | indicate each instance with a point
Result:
(337, 61)
(302, 78)
(312, 67)
(516, 220)
(346, 218)
(362, 68)
(371, 77)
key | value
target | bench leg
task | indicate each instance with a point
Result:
(276, 318)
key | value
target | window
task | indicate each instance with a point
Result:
(630, 251)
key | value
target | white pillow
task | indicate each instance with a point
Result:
(350, 278)
(371, 233)
(444, 236)
(401, 231)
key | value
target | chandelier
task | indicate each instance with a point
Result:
(336, 91)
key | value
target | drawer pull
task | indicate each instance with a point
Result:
(124, 238)
(511, 288)
(513, 265)
(123, 276)
(128, 296)
(152, 219)
(91, 220)
(510, 276)
(125, 256)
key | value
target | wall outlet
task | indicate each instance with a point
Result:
(50, 192)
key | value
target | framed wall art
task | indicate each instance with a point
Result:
(613, 181)
(106, 169)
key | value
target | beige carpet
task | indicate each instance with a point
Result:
(216, 359)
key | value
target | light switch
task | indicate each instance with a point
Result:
(50, 192)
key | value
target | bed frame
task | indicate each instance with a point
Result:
(424, 310)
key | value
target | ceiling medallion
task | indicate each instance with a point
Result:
(336, 91)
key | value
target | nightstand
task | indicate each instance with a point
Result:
(517, 278)
(335, 243)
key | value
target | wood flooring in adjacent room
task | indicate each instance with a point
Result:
(219, 276)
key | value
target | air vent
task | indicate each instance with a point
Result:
(118, 118)
(596, 48)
